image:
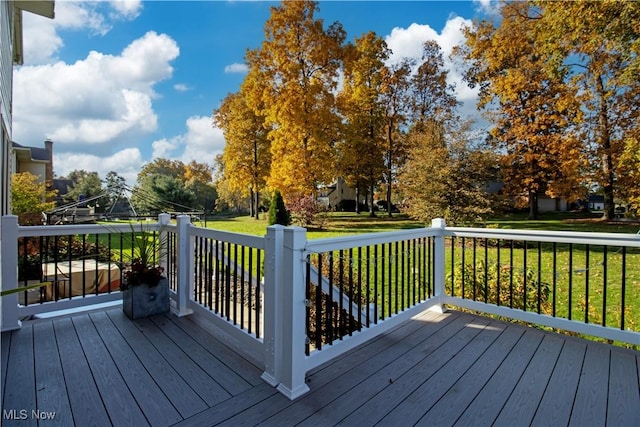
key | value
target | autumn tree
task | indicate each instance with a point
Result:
(361, 160)
(451, 181)
(395, 99)
(246, 154)
(29, 198)
(532, 109)
(597, 45)
(298, 65)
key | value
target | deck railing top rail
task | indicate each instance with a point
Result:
(611, 239)
(368, 239)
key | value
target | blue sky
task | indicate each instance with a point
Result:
(116, 84)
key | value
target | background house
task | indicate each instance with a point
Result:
(11, 53)
(331, 195)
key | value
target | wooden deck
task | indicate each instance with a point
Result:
(101, 369)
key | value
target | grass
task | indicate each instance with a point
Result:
(348, 223)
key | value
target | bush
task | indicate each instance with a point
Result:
(278, 213)
(307, 212)
(501, 285)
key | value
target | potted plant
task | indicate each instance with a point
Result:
(145, 287)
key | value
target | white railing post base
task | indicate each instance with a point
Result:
(439, 263)
(272, 296)
(185, 267)
(9, 315)
(295, 393)
(292, 309)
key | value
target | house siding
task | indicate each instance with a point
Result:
(6, 83)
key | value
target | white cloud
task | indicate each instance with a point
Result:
(202, 142)
(97, 100)
(127, 163)
(181, 87)
(43, 41)
(127, 9)
(407, 43)
(236, 68)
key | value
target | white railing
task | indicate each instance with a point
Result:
(295, 303)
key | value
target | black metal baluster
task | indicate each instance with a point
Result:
(604, 284)
(375, 284)
(307, 317)
(258, 293)
(341, 296)
(586, 284)
(330, 303)
(242, 285)
(498, 272)
(539, 277)
(570, 308)
(624, 288)
(319, 313)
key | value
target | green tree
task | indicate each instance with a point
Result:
(85, 185)
(278, 213)
(29, 198)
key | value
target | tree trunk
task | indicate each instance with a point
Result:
(357, 199)
(533, 205)
(605, 148)
(372, 212)
(252, 210)
(257, 204)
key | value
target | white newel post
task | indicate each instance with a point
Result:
(9, 303)
(439, 262)
(185, 266)
(271, 305)
(292, 310)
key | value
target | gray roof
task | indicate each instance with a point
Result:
(36, 153)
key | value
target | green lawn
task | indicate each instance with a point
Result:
(346, 223)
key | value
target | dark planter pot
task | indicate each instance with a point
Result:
(143, 300)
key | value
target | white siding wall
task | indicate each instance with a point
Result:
(6, 81)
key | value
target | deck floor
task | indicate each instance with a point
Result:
(101, 369)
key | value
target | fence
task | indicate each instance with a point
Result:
(294, 303)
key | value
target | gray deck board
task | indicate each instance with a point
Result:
(50, 384)
(624, 399)
(149, 397)
(523, 402)
(249, 372)
(502, 377)
(556, 404)
(198, 379)
(102, 369)
(590, 406)
(436, 378)
(409, 372)
(225, 376)
(20, 371)
(84, 397)
(113, 390)
(329, 384)
(181, 395)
